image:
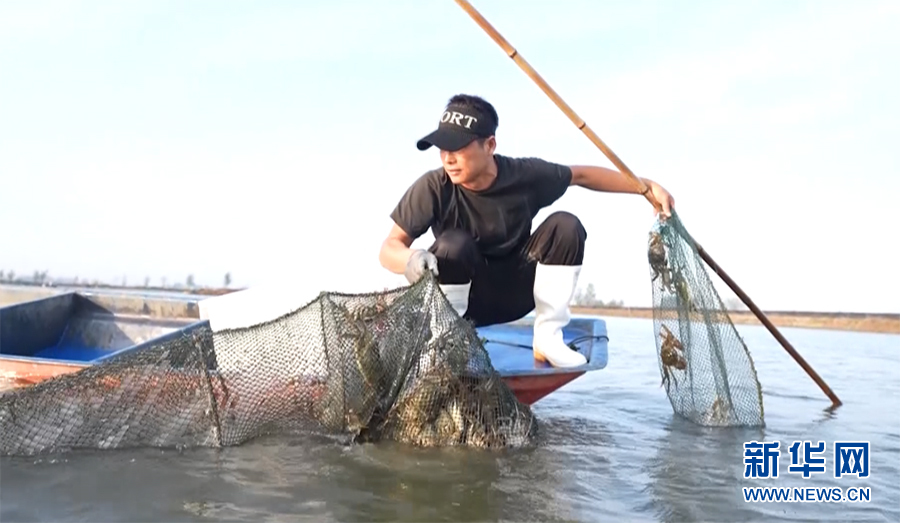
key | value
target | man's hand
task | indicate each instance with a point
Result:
(663, 197)
(420, 261)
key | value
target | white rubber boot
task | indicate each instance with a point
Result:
(554, 286)
(458, 295)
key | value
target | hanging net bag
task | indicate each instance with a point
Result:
(706, 368)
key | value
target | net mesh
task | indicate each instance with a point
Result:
(706, 368)
(399, 365)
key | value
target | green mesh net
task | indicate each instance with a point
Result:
(399, 365)
(706, 368)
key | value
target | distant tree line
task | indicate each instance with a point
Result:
(584, 297)
(43, 278)
(735, 304)
(587, 297)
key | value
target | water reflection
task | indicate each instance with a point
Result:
(399, 483)
(696, 473)
(396, 482)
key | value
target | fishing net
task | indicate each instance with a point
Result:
(398, 365)
(706, 368)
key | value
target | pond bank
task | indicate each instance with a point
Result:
(859, 322)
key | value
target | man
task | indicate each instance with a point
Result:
(480, 206)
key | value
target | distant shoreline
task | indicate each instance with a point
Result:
(885, 323)
(888, 323)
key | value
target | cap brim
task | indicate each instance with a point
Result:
(446, 140)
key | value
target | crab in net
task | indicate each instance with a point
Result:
(656, 255)
(672, 280)
(671, 353)
(449, 409)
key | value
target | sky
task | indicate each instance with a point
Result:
(272, 139)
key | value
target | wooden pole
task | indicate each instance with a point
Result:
(835, 402)
(525, 66)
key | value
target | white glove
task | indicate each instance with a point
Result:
(420, 261)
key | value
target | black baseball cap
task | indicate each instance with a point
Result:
(458, 127)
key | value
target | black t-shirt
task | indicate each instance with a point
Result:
(498, 218)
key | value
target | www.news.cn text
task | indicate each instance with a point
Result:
(807, 494)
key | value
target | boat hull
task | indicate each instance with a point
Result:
(18, 373)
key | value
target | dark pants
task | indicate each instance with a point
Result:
(503, 288)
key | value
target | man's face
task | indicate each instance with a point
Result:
(470, 162)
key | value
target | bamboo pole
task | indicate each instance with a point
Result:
(583, 126)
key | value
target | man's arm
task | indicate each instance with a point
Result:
(412, 217)
(395, 251)
(608, 180)
(603, 179)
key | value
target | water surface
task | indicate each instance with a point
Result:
(610, 449)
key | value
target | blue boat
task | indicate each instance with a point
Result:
(47, 333)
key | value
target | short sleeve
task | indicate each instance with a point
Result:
(415, 211)
(549, 180)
